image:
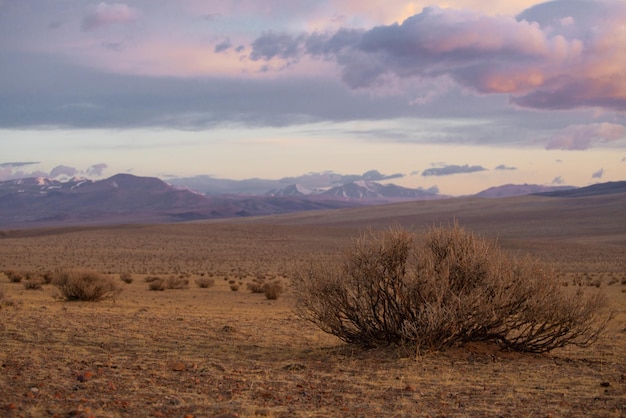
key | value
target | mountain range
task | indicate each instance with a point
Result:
(125, 198)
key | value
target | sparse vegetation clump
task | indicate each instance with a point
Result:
(14, 276)
(448, 289)
(157, 284)
(272, 290)
(177, 282)
(84, 285)
(126, 277)
(33, 283)
(204, 282)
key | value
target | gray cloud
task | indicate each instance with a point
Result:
(581, 137)
(558, 180)
(96, 169)
(12, 170)
(71, 96)
(598, 174)
(452, 169)
(225, 45)
(281, 45)
(504, 167)
(17, 164)
(62, 170)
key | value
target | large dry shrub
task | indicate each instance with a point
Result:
(84, 285)
(449, 288)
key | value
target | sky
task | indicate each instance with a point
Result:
(461, 95)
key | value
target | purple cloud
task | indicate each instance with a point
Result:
(552, 56)
(62, 170)
(598, 174)
(558, 180)
(96, 169)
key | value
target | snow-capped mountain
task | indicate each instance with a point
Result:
(363, 189)
(291, 190)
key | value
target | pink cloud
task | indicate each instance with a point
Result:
(105, 14)
(556, 55)
(581, 137)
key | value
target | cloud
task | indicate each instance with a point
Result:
(105, 14)
(581, 137)
(552, 56)
(62, 170)
(8, 171)
(281, 45)
(225, 45)
(598, 174)
(504, 167)
(17, 164)
(558, 180)
(452, 169)
(96, 169)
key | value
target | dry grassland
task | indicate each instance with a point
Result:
(217, 352)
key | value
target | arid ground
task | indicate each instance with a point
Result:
(222, 352)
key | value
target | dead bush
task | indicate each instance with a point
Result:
(156, 284)
(126, 277)
(205, 282)
(34, 283)
(255, 287)
(174, 282)
(84, 285)
(448, 289)
(273, 290)
(46, 277)
(14, 276)
(5, 301)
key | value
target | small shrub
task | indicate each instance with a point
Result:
(273, 290)
(179, 282)
(449, 289)
(84, 285)
(46, 277)
(6, 301)
(33, 284)
(255, 287)
(156, 284)
(234, 287)
(150, 279)
(204, 282)
(126, 277)
(14, 276)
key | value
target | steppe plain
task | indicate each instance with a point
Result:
(219, 352)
